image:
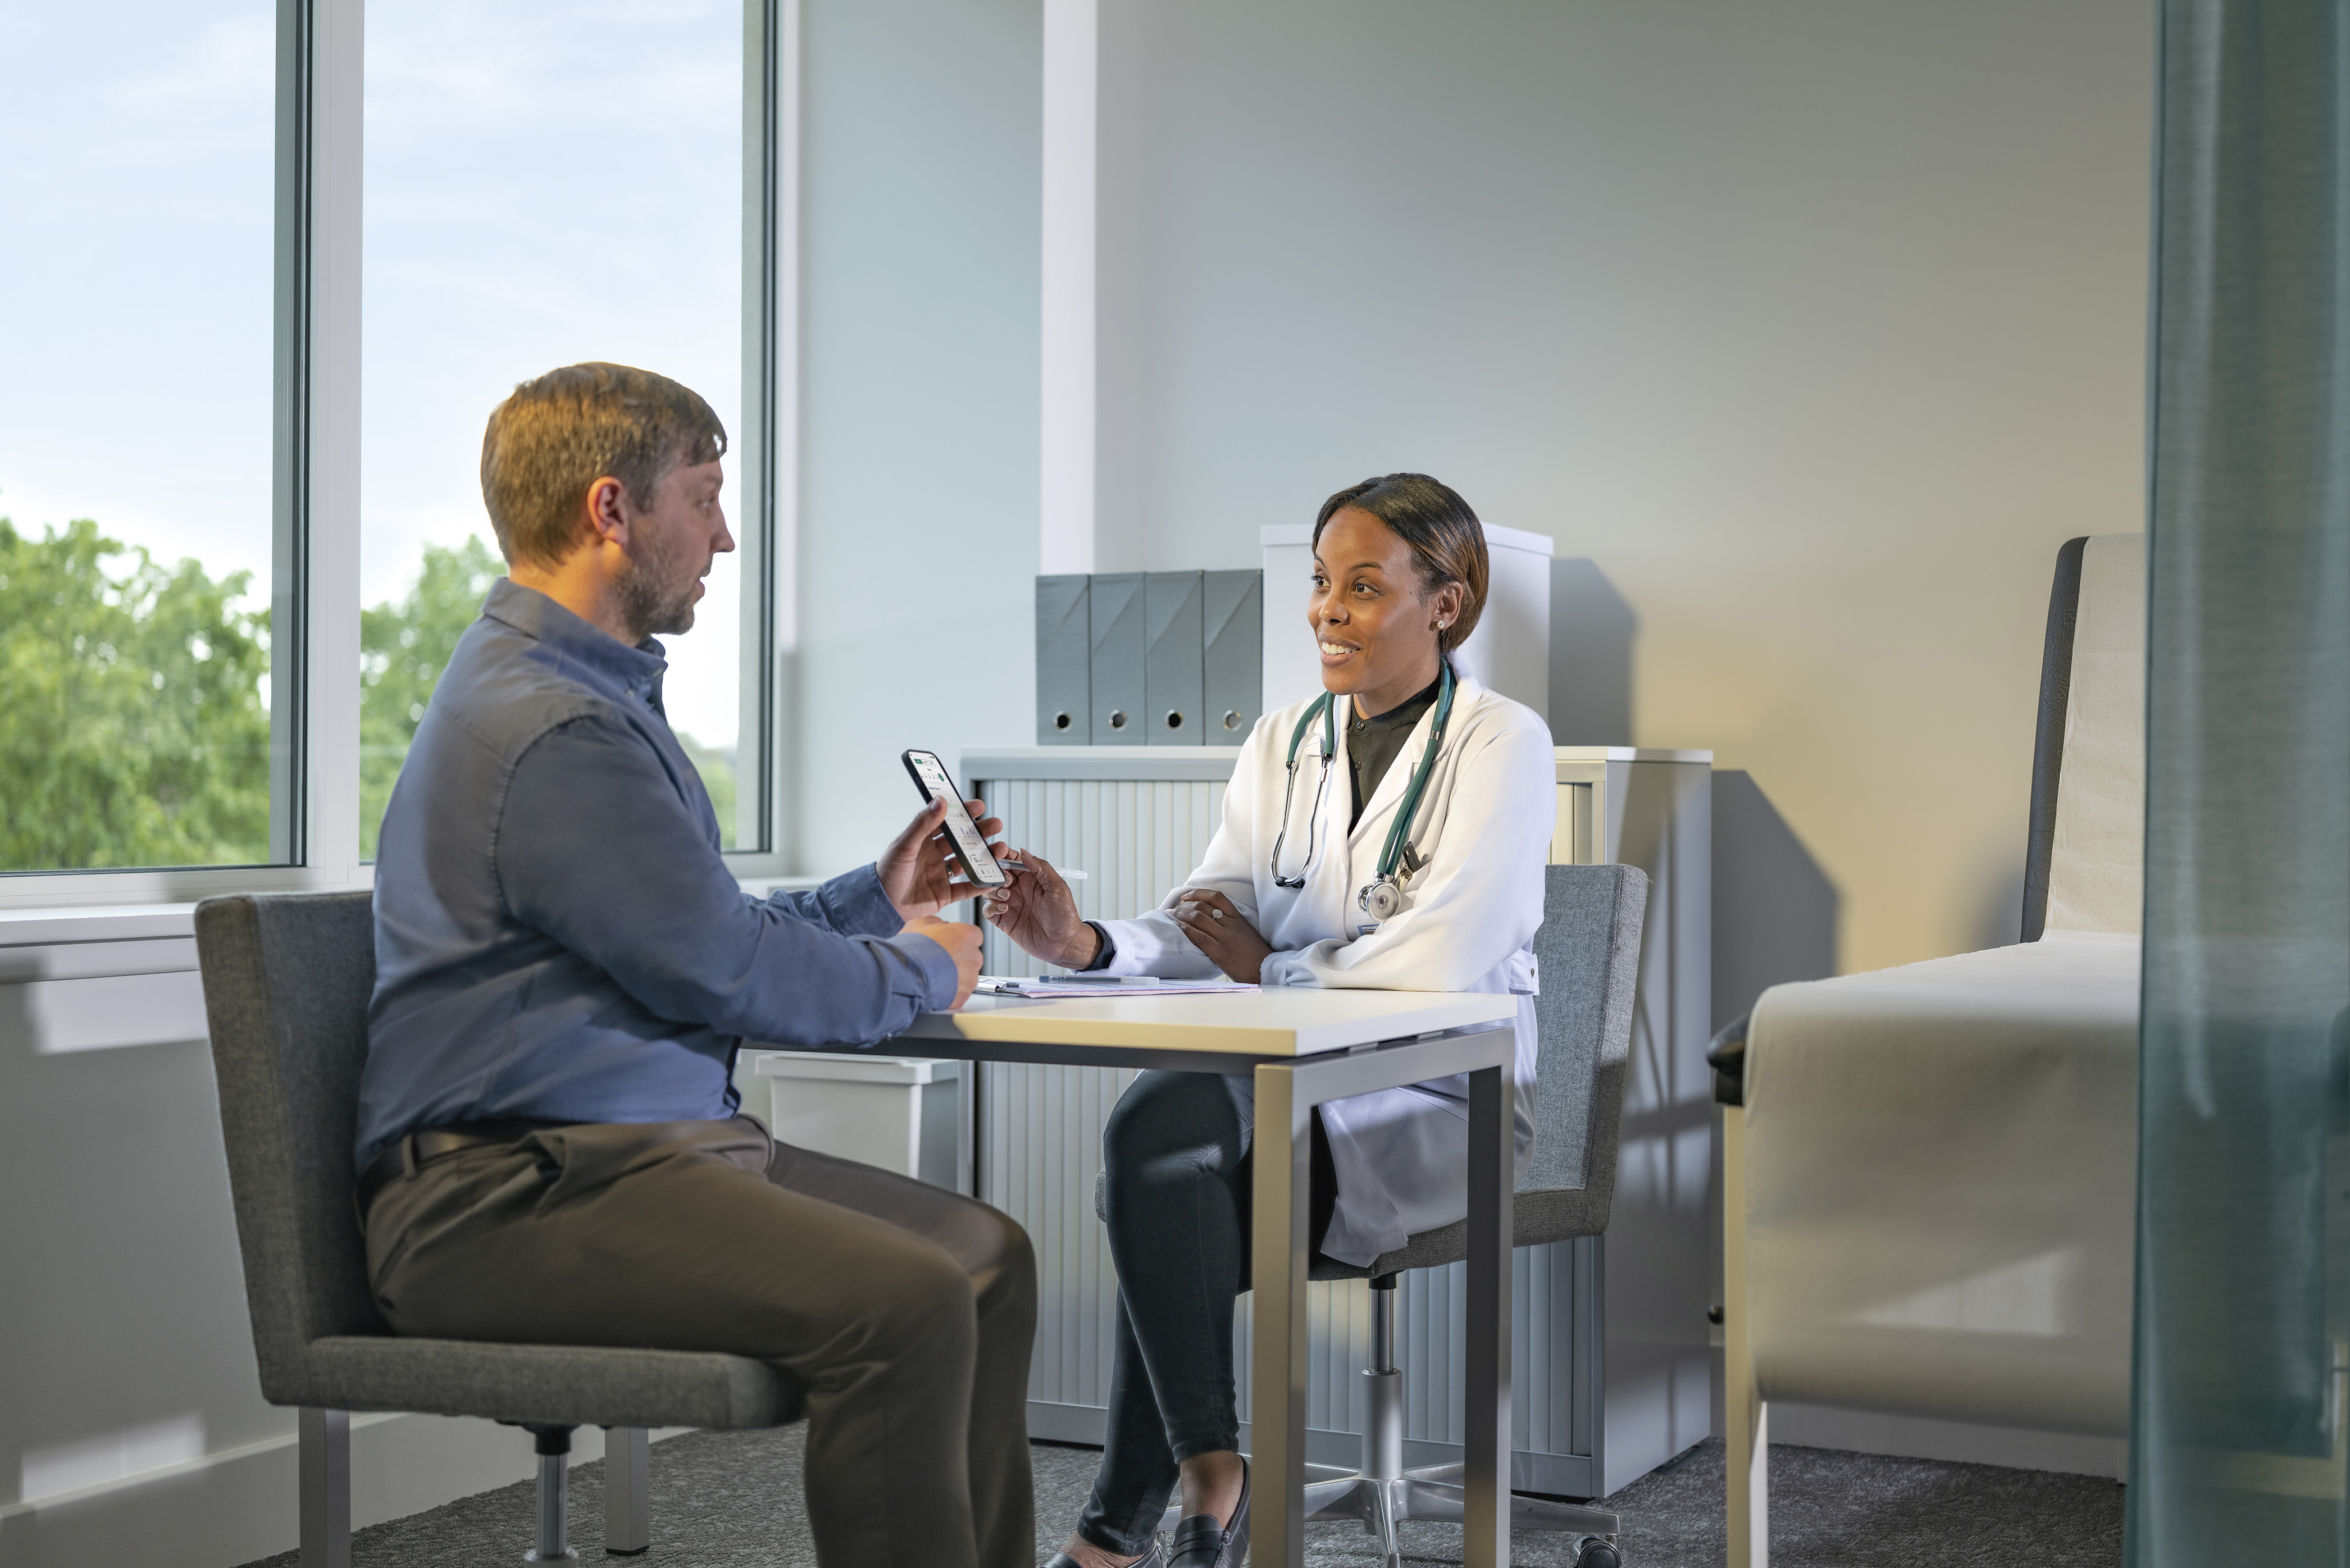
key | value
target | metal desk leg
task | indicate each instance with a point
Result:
(1486, 1417)
(1748, 1417)
(1277, 1270)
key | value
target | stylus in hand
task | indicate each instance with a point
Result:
(1067, 875)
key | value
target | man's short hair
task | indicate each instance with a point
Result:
(561, 433)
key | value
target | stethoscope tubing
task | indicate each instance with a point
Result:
(1398, 835)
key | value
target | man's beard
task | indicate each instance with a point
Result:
(652, 607)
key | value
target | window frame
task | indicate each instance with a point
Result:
(316, 454)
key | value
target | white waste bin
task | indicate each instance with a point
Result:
(897, 1112)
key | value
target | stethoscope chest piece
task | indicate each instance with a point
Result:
(1381, 899)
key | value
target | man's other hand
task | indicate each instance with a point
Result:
(962, 944)
(918, 874)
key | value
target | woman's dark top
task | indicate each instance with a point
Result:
(1372, 744)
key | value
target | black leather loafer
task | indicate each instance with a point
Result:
(1150, 1559)
(1201, 1542)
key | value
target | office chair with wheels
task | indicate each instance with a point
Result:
(286, 982)
(1589, 950)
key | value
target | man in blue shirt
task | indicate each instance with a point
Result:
(549, 1146)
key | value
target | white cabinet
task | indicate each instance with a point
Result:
(899, 1113)
(1611, 1367)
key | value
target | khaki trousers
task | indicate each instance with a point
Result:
(908, 1310)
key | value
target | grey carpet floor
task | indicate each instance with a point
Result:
(732, 1500)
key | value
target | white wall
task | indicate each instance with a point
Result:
(1808, 330)
(919, 489)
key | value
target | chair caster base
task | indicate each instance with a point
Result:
(1435, 1492)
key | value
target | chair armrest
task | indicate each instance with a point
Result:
(1727, 1055)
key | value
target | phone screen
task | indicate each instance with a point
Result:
(961, 833)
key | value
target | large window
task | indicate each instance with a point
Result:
(547, 182)
(269, 265)
(136, 181)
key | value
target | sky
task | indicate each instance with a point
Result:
(546, 182)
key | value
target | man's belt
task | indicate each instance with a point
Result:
(422, 1148)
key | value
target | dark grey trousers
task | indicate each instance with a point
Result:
(1176, 1153)
(907, 1310)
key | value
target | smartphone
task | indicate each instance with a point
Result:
(962, 834)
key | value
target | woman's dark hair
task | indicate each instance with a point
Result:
(1445, 536)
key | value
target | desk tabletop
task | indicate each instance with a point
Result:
(1281, 1021)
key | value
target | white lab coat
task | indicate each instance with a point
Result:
(1468, 921)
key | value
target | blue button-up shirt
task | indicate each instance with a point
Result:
(556, 933)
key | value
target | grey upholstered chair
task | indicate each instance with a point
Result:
(1589, 948)
(286, 982)
(1965, 1127)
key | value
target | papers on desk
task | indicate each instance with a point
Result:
(1060, 985)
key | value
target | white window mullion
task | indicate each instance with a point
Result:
(336, 168)
(769, 471)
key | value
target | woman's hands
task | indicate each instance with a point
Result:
(1038, 911)
(1218, 928)
(918, 874)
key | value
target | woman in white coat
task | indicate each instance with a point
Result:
(1390, 834)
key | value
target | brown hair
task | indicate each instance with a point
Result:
(561, 433)
(1445, 539)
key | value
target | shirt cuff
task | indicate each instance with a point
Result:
(1283, 968)
(937, 970)
(1108, 953)
(857, 906)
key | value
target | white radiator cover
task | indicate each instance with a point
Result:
(1137, 820)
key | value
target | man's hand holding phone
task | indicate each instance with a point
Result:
(920, 872)
(935, 861)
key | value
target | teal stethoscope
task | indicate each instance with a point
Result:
(1383, 896)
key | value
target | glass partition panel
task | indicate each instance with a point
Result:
(2240, 1426)
(547, 182)
(137, 177)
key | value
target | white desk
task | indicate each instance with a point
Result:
(1614, 1368)
(1303, 1048)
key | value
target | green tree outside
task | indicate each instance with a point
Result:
(403, 650)
(717, 771)
(133, 729)
(404, 646)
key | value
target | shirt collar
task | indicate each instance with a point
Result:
(637, 669)
(1405, 714)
